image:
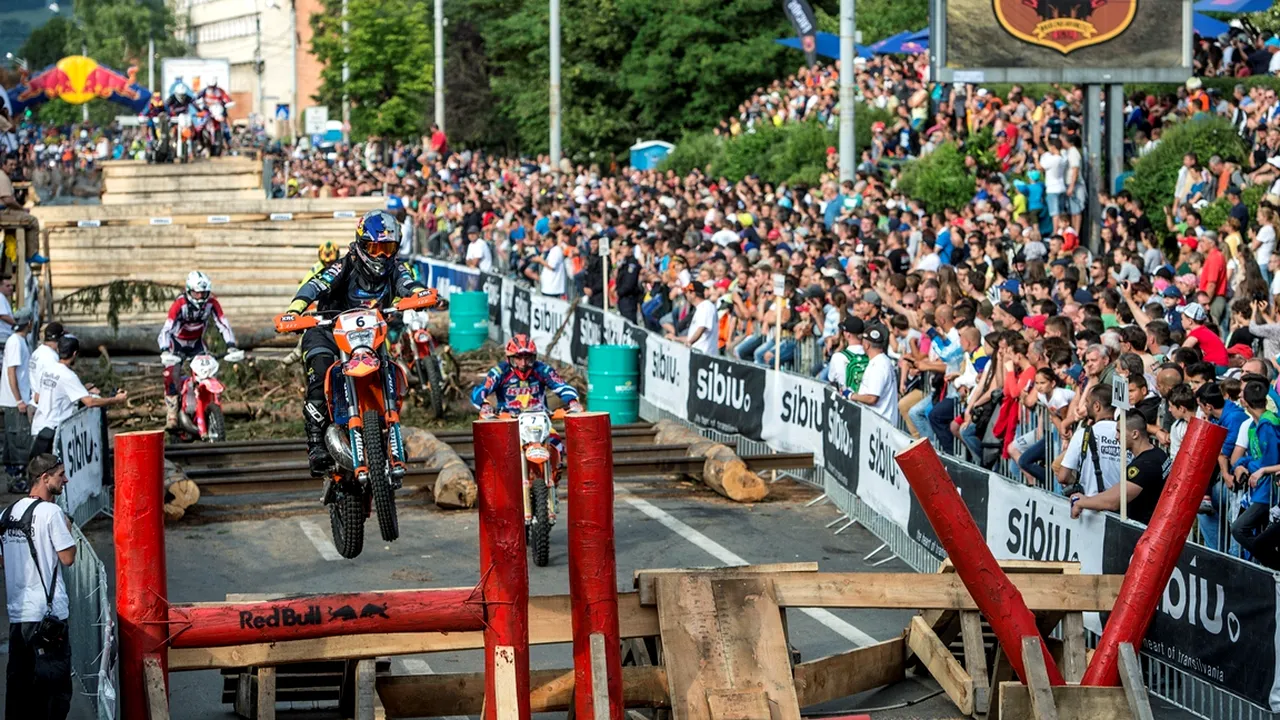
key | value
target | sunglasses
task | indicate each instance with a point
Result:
(383, 249)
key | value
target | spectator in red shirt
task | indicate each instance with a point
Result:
(1201, 336)
(1213, 277)
(439, 143)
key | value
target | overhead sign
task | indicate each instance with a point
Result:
(1120, 393)
(314, 119)
(195, 73)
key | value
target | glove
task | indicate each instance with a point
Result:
(575, 406)
(234, 354)
(487, 412)
(169, 359)
(298, 306)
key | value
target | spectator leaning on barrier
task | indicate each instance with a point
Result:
(58, 394)
(1144, 477)
(878, 387)
(15, 400)
(35, 545)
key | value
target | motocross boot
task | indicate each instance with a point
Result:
(318, 458)
(170, 412)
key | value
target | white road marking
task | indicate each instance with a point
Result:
(418, 666)
(728, 557)
(322, 542)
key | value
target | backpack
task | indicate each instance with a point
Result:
(854, 370)
(23, 524)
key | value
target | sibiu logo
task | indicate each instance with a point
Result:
(1189, 596)
(880, 459)
(663, 366)
(546, 320)
(522, 308)
(723, 388)
(1034, 535)
(589, 332)
(802, 408)
(838, 435)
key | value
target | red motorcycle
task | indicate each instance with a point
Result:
(200, 398)
(423, 364)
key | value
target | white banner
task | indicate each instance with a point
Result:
(881, 483)
(79, 445)
(615, 330)
(666, 375)
(1028, 524)
(794, 414)
(508, 293)
(546, 317)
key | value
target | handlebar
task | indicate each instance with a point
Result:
(292, 322)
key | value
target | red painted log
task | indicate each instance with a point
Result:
(504, 567)
(1157, 551)
(996, 597)
(314, 616)
(141, 589)
(593, 584)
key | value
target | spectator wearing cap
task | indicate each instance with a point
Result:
(847, 367)
(704, 329)
(45, 354)
(15, 397)
(1201, 337)
(59, 393)
(878, 387)
(868, 306)
(479, 254)
(628, 287)
(36, 544)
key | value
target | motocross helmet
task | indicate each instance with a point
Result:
(377, 243)
(199, 288)
(328, 252)
(521, 348)
(156, 100)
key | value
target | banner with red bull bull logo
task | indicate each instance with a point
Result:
(77, 80)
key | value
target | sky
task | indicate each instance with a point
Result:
(19, 17)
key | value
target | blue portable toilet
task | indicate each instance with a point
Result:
(649, 154)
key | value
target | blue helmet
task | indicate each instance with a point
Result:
(377, 243)
(395, 203)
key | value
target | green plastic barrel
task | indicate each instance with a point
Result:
(613, 382)
(468, 320)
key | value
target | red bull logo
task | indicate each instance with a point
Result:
(51, 83)
(105, 82)
(523, 401)
(78, 79)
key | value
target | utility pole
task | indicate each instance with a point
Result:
(346, 74)
(258, 67)
(555, 86)
(848, 152)
(151, 64)
(440, 64)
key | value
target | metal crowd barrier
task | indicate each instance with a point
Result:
(91, 626)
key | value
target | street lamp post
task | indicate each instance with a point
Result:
(84, 47)
(20, 62)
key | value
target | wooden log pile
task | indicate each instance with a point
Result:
(180, 492)
(723, 471)
(455, 486)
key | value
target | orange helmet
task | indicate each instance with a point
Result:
(521, 345)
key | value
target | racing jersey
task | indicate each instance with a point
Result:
(177, 106)
(515, 395)
(153, 111)
(215, 94)
(186, 323)
(337, 287)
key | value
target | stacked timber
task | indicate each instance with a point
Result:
(126, 182)
(723, 471)
(255, 262)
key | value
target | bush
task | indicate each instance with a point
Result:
(695, 151)
(1215, 215)
(939, 180)
(1155, 175)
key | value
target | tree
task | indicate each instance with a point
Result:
(390, 64)
(47, 44)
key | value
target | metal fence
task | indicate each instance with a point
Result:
(91, 625)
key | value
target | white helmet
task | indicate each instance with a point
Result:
(199, 288)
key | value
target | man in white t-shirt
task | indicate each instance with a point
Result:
(1055, 180)
(478, 254)
(879, 386)
(703, 334)
(1093, 447)
(6, 307)
(551, 279)
(44, 690)
(45, 354)
(58, 395)
(15, 396)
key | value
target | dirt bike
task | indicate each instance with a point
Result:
(210, 119)
(159, 147)
(200, 397)
(364, 390)
(539, 477)
(180, 137)
(424, 364)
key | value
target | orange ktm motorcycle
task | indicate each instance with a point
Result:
(364, 390)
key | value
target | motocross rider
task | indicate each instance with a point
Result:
(520, 384)
(182, 336)
(213, 93)
(367, 276)
(180, 99)
(154, 109)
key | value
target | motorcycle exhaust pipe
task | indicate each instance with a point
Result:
(335, 441)
(188, 425)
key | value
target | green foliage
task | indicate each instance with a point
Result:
(1213, 216)
(939, 180)
(119, 296)
(389, 53)
(1155, 175)
(115, 32)
(47, 44)
(879, 19)
(695, 151)
(794, 153)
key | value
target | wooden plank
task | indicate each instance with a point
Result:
(837, 676)
(975, 659)
(1001, 672)
(937, 659)
(243, 705)
(366, 689)
(723, 634)
(549, 623)
(737, 705)
(1042, 704)
(645, 580)
(1135, 690)
(506, 693)
(430, 695)
(1073, 647)
(599, 678)
(266, 693)
(157, 695)
(1073, 702)
(1064, 593)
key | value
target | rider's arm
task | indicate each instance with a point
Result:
(315, 287)
(220, 320)
(555, 383)
(406, 284)
(482, 391)
(165, 339)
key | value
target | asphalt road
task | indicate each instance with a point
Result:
(658, 524)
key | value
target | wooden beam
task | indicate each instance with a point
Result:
(1001, 672)
(1054, 592)
(738, 705)
(153, 679)
(549, 623)
(1042, 705)
(412, 696)
(266, 693)
(599, 677)
(366, 689)
(1073, 702)
(645, 581)
(975, 659)
(1073, 647)
(941, 664)
(1024, 566)
(506, 691)
(1135, 690)
(849, 673)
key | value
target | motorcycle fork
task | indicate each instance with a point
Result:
(552, 500)
(391, 407)
(527, 487)
(355, 427)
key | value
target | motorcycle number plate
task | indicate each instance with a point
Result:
(537, 454)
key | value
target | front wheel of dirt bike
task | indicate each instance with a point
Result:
(434, 385)
(541, 530)
(215, 424)
(346, 520)
(384, 496)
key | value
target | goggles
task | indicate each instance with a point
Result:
(381, 248)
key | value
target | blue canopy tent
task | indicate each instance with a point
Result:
(828, 45)
(1207, 27)
(910, 43)
(1233, 6)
